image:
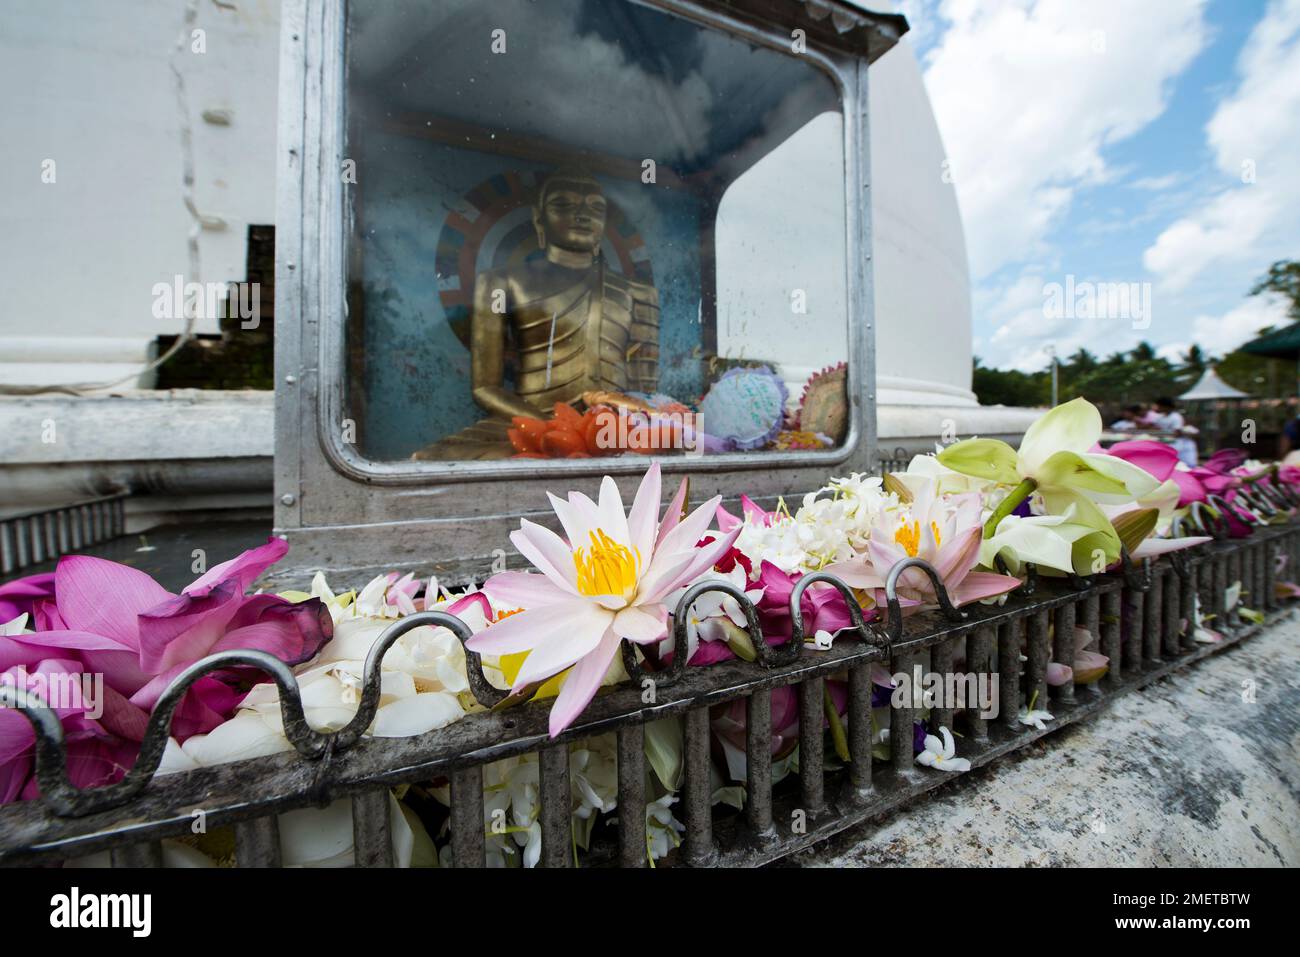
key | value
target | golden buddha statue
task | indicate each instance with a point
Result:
(576, 325)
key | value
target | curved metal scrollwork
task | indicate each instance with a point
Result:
(681, 637)
(866, 632)
(1258, 502)
(66, 800)
(950, 611)
(1277, 494)
(1137, 575)
(1205, 520)
(1242, 513)
(1031, 575)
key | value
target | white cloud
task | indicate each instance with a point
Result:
(1022, 331)
(1254, 134)
(1157, 184)
(1028, 92)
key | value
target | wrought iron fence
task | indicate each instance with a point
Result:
(1141, 617)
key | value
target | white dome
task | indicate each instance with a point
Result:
(922, 280)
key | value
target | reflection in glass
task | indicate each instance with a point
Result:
(585, 228)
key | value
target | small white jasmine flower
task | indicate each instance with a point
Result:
(1035, 718)
(941, 754)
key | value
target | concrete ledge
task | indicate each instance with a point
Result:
(919, 427)
(136, 425)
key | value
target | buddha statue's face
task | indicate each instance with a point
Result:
(571, 216)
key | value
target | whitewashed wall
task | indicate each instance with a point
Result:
(112, 92)
(109, 91)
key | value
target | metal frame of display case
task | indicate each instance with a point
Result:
(342, 511)
(1139, 616)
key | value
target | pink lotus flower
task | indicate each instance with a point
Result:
(729, 724)
(1154, 457)
(606, 583)
(944, 531)
(1190, 488)
(824, 608)
(749, 510)
(20, 597)
(101, 737)
(112, 620)
(1087, 667)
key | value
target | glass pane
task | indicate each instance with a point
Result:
(588, 228)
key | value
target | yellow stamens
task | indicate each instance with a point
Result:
(909, 536)
(934, 527)
(607, 568)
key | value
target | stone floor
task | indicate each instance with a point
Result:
(1199, 769)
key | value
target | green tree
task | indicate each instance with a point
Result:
(1283, 278)
(1009, 386)
(1195, 361)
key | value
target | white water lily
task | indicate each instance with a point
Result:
(942, 754)
(511, 812)
(593, 776)
(608, 582)
(1034, 718)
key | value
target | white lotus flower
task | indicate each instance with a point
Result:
(607, 583)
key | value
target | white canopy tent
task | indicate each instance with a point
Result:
(1210, 387)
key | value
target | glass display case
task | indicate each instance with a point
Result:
(555, 239)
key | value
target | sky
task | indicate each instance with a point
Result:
(1117, 141)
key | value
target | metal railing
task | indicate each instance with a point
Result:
(34, 537)
(1141, 617)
